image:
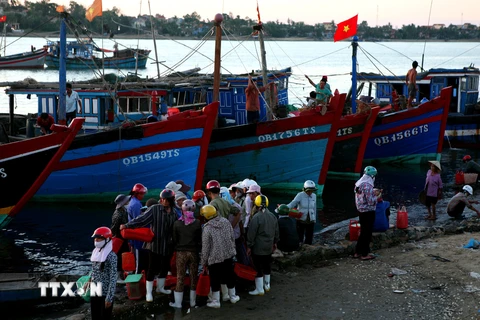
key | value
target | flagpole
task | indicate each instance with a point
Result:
(62, 74)
(354, 74)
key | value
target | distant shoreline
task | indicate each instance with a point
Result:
(55, 35)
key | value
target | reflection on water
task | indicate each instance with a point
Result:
(58, 238)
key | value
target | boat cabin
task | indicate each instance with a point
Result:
(232, 96)
(464, 81)
(74, 49)
(101, 108)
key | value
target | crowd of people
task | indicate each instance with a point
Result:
(206, 232)
(212, 229)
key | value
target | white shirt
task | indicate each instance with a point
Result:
(72, 102)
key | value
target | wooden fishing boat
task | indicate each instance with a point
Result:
(39, 155)
(26, 60)
(463, 122)
(85, 55)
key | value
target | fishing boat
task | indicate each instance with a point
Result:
(118, 153)
(412, 136)
(39, 155)
(27, 60)
(463, 123)
(86, 55)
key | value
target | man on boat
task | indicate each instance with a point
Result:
(45, 121)
(471, 166)
(253, 101)
(71, 103)
(411, 80)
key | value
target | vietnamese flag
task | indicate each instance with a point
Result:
(346, 29)
(95, 10)
(3, 18)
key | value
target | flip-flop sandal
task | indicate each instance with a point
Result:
(369, 257)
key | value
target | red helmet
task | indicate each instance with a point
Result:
(197, 195)
(167, 193)
(213, 184)
(102, 232)
(467, 158)
(139, 188)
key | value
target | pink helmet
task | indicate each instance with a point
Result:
(254, 188)
(188, 205)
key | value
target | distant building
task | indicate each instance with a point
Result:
(329, 26)
(140, 22)
(438, 26)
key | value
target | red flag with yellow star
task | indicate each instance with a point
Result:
(95, 10)
(346, 29)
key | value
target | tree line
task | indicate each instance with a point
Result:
(42, 17)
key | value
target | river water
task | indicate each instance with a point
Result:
(46, 238)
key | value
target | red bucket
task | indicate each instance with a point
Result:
(245, 272)
(140, 234)
(402, 218)
(459, 177)
(116, 244)
(128, 261)
(354, 230)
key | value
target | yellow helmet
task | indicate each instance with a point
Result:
(261, 201)
(208, 212)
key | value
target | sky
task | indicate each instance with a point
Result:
(375, 12)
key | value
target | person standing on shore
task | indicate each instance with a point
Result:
(411, 80)
(433, 186)
(306, 203)
(104, 271)
(134, 210)
(366, 203)
(119, 217)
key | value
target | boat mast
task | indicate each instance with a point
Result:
(268, 101)
(154, 41)
(354, 74)
(216, 70)
(4, 39)
(62, 74)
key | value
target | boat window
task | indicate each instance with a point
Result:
(473, 83)
(135, 104)
(95, 106)
(86, 103)
(463, 84)
(281, 84)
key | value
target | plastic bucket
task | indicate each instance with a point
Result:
(354, 230)
(402, 218)
(81, 285)
(128, 261)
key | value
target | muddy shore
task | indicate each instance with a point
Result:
(422, 272)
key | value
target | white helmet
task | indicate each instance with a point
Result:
(309, 184)
(468, 189)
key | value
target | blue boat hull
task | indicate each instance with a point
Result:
(93, 64)
(463, 131)
(411, 136)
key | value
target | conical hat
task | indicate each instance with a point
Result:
(436, 164)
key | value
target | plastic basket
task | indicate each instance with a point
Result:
(136, 286)
(81, 285)
(245, 272)
(470, 178)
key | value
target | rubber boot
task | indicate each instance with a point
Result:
(149, 296)
(225, 296)
(258, 288)
(216, 300)
(160, 286)
(233, 297)
(178, 300)
(266, 282)
(210, 296)
(193, 298)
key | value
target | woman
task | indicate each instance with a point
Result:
(288, 242)
(366, 202)
(306, 204)
(120, 216)
(104, 271)
(187, 237)
(262, 238)
(433, 187)
(218, 250)
(161, 218)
